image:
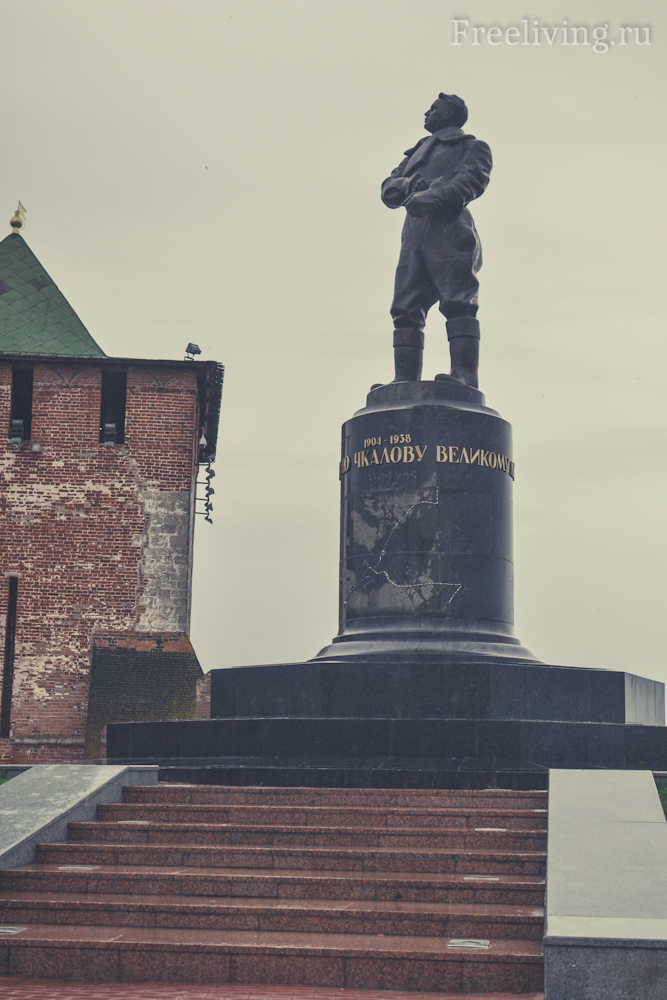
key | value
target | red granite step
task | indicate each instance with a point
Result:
(383, 961)
(145, 832)
(319, 816)
(24, 988)
(465, 861)
(520, 889)
(383, 889)
(378, 797)
(461, 920)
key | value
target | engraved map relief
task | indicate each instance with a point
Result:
(400, 548)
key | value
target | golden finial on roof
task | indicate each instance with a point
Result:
(17, 221)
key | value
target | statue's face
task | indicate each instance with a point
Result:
(436, 117)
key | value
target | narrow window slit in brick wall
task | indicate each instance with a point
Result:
(112, 409)
(21, 402)
(8, 670)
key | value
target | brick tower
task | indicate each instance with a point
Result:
(99, 465)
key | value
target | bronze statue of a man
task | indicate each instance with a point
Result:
(440, 249)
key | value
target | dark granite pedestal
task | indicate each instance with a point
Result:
(425, 684)
(426, 528)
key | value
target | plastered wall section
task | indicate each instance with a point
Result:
(100, 539)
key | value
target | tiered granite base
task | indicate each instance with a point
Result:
(425, 685)
(405, 726)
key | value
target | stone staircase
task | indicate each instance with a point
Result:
(426, 891)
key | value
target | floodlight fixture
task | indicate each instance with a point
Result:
(16, 434)
(109, 435)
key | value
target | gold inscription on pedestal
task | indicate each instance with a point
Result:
(465, 455)
(388, 456)
(396, 452)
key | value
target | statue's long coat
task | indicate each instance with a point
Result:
(440, 252)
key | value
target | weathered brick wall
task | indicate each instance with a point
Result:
(101, 539)
(139, 677)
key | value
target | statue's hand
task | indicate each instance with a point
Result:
(418, 205)
(394, 191)
(418, 184)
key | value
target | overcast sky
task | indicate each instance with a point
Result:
(209, 170)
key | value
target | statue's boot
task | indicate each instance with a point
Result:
(463, 334)
(408, 355)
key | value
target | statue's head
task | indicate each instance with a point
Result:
(448, 111)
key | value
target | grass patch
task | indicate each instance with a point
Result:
(662, 792)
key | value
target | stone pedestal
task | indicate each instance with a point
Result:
(426, 528)
(425, 685)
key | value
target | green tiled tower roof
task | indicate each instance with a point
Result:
(35, 316)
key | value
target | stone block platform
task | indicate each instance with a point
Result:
(431, 892)
(383, 752)
(436, 689)
(423, 724)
